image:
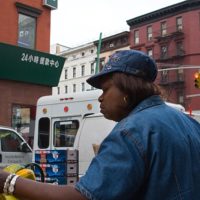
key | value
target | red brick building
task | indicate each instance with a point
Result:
(24, 61)
(171, 36)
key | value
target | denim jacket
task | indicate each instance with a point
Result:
(152, 154)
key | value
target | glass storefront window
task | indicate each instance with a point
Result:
(23, 121)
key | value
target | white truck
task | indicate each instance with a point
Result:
(94, 128)
(194, 115)
(58, 118)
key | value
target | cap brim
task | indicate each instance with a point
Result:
(95, 80)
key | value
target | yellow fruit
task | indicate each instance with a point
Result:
(13, 168)
(26, 173)
(7, 197)
(2, 197)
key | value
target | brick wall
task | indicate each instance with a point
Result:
(12, 92)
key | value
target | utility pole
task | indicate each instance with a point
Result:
(98, 53)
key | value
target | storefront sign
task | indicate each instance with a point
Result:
(21, 64)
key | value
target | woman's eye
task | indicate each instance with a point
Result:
(104, 89)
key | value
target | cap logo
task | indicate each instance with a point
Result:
(115, 58)
(108, 67)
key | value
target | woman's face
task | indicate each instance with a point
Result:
(112, 104)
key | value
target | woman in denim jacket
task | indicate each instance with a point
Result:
(152, 153)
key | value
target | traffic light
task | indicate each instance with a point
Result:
(197, 80)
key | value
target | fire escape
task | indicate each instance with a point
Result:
(170, 58)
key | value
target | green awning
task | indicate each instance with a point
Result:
(26, 65)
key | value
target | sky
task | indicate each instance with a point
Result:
(79, 22)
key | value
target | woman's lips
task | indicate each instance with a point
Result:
(101, 108)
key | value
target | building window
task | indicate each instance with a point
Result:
(83, 86)
(179, 49)
(179, 23)
(163, 29)
(66, 74)
(74, 87)
(164, 76)
(136, 37)
(180, 97)
(111, 44)
(27, 19)
(83, 54)
(83, 70)
(164, 52)
(180, 75)
(92, 69)
(102, 63)
(74, 72)
(92, 51)
(124, 40)
(149, 33)
(26, 31)
(150, 52)
(66, 89)
(58, 90)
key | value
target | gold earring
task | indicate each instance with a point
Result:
(125, 99)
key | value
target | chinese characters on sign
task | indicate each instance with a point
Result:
(25, 57)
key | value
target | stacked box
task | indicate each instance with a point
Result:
(71, 180)
(59, 166)
(50, 156)
(52, 169)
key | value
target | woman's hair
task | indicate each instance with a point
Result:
(136, 89)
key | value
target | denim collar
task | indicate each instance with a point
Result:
(149, 102)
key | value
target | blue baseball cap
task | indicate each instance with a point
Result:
(132, 62)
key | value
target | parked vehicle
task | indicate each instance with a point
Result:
(13, 148)
(176, 106)
(195, 116)
(58, 118)
(93, 130)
